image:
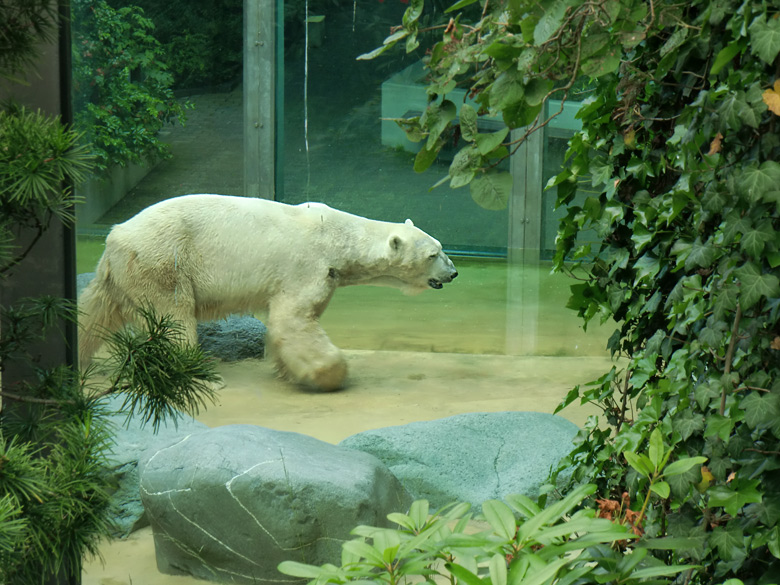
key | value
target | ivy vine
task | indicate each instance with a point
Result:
(675, 171)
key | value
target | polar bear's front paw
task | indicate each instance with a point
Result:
(330, 377)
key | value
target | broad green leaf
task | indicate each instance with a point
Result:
(425, 157)
(755, 285)
(489, 141)
(491, 190)
(436, 118)
(506, 91)
(661, 488)
(388, 43)
(536, 90)
(641, 463)
(501, 518)
(459, 5)
(671, 542)
(550, 22)
(683, 465)
(656, 449)
(725, 56)
(765, 38)
(497, 568)
(418, 513)
(365, 551)
(401, 520)
(464, 575)
(463, 167)
(660, 571)
(296, 569)
(554, 512)
(522, 503)
(468, 122)
(674, 41)
(602, 63)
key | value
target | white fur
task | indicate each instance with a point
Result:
(202, 257)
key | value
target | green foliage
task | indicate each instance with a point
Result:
(122, 86)
(676, 166)
(54, 478)
(512, 542)
(38, 156)
(201, 39)
(24, 24)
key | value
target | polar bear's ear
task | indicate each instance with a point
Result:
(409, 222)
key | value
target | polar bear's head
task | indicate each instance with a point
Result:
(417, 261)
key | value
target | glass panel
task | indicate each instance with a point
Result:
(341, 149)
(157, 90)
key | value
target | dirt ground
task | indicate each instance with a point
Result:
(385, 388)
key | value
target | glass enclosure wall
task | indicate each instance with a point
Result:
(158, 92)
(175, 97)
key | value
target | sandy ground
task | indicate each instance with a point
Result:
(386, 388)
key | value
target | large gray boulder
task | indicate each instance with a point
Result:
(471, 457)
(231, 503)
(132, 440)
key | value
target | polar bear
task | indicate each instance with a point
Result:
(202, 257)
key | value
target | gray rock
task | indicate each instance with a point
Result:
(471, 457)
(132, 440)
(235, 338)
(233, 502)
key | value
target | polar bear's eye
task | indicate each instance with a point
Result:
(432, 256)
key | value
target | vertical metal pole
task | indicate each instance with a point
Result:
(259, 98)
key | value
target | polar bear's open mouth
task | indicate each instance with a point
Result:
(433, 283)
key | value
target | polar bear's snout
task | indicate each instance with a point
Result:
(447, 272)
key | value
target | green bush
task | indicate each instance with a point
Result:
(122, 85)
(676, 167)
(511, 543)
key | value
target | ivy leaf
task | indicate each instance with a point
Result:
(729, 541)
(765, 38)
(492, 189)
(733, 497)
(760, 410)
(673, 42)
(753, 241)
(701, 255)
(755, 181)
(755, 285)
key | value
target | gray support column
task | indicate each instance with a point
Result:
(523, 247)
(259, 98)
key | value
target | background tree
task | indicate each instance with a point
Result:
(54, 479)
(676, 171)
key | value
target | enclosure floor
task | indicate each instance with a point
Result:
(385, 388)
